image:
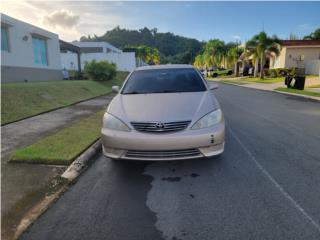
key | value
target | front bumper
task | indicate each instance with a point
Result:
(186, 144)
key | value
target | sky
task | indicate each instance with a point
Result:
(228, 21)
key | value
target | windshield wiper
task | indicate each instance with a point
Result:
(133, 92)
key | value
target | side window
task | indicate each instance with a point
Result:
(40, 51)
(4, 39)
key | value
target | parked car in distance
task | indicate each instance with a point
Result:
(221, 72)
(164, 112)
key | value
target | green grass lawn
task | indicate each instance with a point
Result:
(242, 81)
(265, 80)
(302, 92)
(234, 82)
(21, 100)
(64, 146)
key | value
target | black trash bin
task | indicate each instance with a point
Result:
(299, 84)
(295, 82)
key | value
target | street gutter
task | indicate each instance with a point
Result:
(70, 175)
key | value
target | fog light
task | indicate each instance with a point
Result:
(112, 152)
(212, 150)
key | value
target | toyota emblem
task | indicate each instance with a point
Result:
(159, 125)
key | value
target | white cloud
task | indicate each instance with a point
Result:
(61, 18)
(70, 20)
(236, 37)
(304, 26)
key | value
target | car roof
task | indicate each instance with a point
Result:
(164, 66)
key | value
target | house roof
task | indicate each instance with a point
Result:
(65, 46)
(300, 43)
(96, 44)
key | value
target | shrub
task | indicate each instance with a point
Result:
(100, 71)
(280, 72)
(272, 73)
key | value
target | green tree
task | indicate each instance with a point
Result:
(215, 50)
(147, 54)
(173, 48)
(232, 56)
(313, 36)
(259, 47)
(199, 61)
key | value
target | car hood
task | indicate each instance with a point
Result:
(163, 107)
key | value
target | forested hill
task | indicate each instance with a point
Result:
(173, 48)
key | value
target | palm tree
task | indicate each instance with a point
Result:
(232, 56)
(261, 46)
(214, 50)
(199, 61)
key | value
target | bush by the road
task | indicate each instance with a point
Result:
(280, 72)
(100, 71)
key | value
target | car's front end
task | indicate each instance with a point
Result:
(146, 141)
(163, 126)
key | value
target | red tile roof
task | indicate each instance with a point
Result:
(300, 42)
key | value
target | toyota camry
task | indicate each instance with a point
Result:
(164, 112)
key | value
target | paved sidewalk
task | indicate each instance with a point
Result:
(25, 132)
(264, 86)
(273, 86)
(25, 184)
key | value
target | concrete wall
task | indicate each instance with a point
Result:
(18, 63)
(19, 74)
(313, 67)
(279, 62)
(69, 61)
(309, 54)
(125, 61)
(105, 46)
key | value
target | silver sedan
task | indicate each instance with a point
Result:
(164, 112)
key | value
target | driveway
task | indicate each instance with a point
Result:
(265, 185)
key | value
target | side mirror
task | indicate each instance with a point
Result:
(115, 89)
(213, 86)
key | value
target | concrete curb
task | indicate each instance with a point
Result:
(77, 166)
(35, 212)
(298, 95)
(71, 173)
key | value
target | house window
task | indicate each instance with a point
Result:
(40, 51)
(4, 39)
(301, 57)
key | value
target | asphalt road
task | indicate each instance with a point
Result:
(265, 186)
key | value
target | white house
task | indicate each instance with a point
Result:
(28, 53)
(298, 53)
(99, 51)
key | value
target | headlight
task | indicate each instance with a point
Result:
(114, 123)
(208, 120)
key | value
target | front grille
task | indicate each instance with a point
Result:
(164, 154)
(159, 127)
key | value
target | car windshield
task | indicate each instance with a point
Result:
(164, 81)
